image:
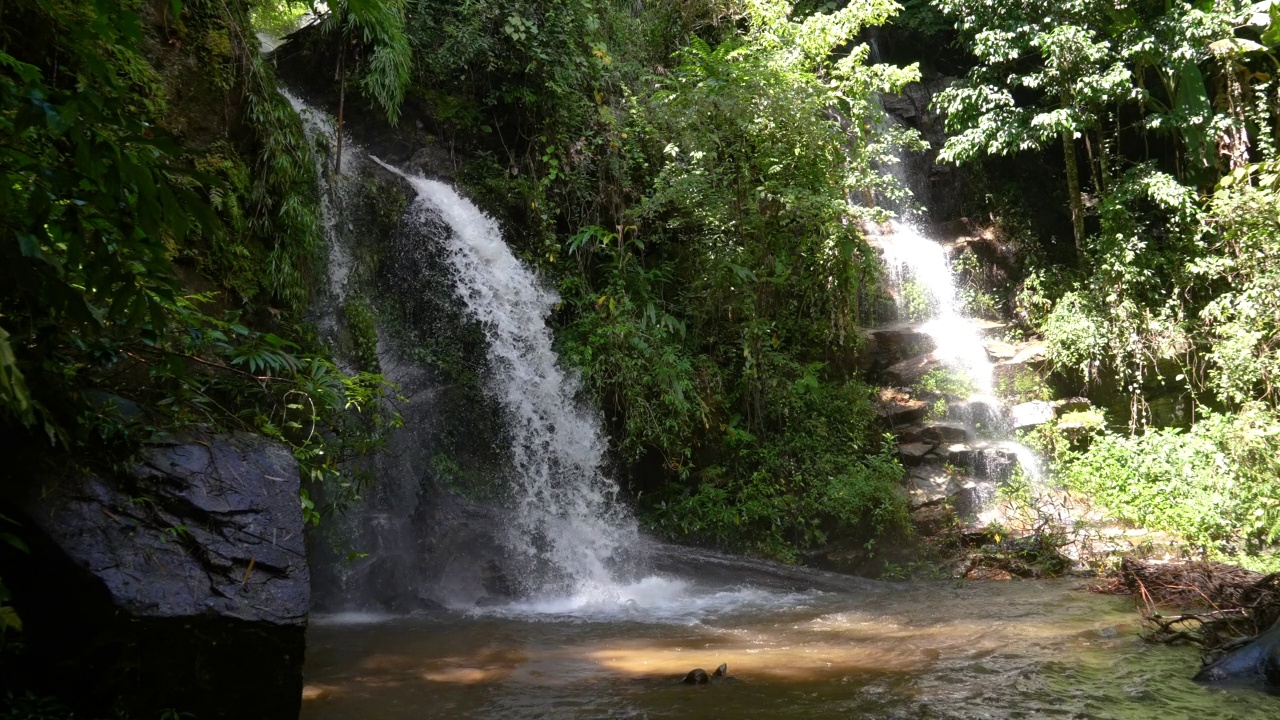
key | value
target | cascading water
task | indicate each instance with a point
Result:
(567, 528)
(567, 522)
(924, 290)
(571, 546)
(923, 282)
(912, 258)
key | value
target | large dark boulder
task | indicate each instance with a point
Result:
(1256, 664)
(182, 583)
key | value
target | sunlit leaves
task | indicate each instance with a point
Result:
(705, 324)
(381, 24)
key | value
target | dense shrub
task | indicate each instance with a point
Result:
(1214, 485)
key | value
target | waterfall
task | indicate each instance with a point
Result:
(567, 524)
(920, 273)
(911, 257)
(564, 535)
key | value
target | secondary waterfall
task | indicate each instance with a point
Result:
(924, 283)
(911, 257)
(567, 522)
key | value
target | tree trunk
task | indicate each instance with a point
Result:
(1073, 193)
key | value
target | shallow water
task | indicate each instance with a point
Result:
(971, 650)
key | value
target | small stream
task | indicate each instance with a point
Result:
(937, 650)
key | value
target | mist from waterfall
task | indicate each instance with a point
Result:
(567, 539)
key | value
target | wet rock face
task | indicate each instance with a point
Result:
(910, 371)
(938, 186)
(1030, 414)
(897, 409)
(1256, 664)
(185, 581)
(893, 344)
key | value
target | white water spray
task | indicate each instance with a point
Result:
(909, 256)
(568, 525)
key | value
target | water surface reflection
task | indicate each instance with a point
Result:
(977, 650)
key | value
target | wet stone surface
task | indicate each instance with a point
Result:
(188, 577)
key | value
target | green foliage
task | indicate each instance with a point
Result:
(923, 17)
(1162, 102)
(975, 299)
(283, 191)
(1215, 485)
(90, 205)
(217, 372)
(708, 316)
(98, 202)
(1076, 337)
(277, 18)
(10, 622)
(685, 171)
(1242, 322)
(1035, 297)
(792, 491)
(983, 111)
(1090, 419)
(945, 383)
(386, 57)
(1069, 72)
(916, 302)
(363, 331)
(631, 347)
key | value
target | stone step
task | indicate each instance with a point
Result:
(998, 350)
(990, 328)
(910, 433)
(1030, 414)
(931, 484)
(916, 453)
(1074, 404)
(985, 459)
(987, 412)
(907, 373)
(945, 432)
(898, 409)
(982, 459)
(1031, 357)
(892, 344)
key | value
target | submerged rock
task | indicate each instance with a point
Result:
(1256, 664)
(698, 676)
(181, 584)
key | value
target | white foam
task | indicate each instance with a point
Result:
(352, 617)
(909, 255)
(654, 599)
(1028, 459)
